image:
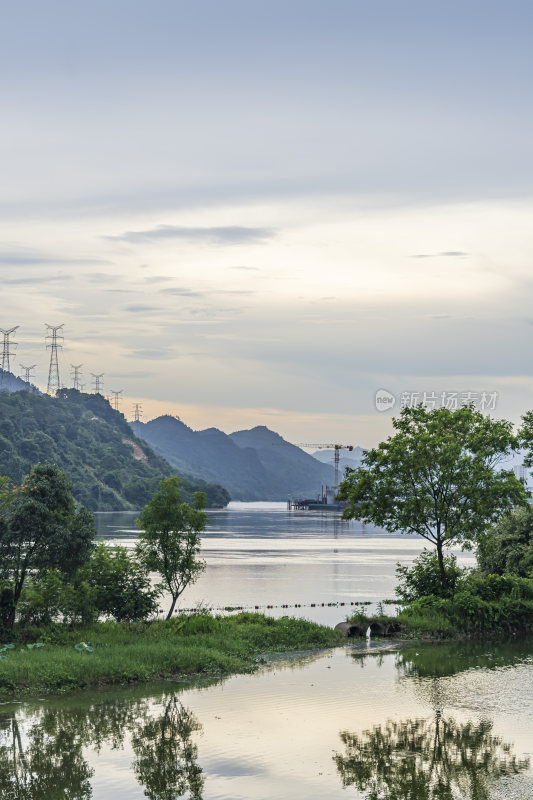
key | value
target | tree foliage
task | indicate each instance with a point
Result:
(169, 540)
(112, 583)
(436, 477)
(121, 583)
(423, 577)
(507, 547)
(42, 528)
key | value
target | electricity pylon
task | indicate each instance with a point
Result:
(116, 398)
(6, 350)
(76, 376)
(27, 373)
(54, 383)
(98, 382)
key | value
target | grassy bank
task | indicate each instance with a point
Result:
(124, 653)
(463, 616)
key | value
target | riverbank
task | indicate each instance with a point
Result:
(464, 616)
(198, 644)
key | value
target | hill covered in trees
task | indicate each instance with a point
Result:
(255, 464)
(111, 468)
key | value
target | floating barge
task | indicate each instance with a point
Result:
(324, 502)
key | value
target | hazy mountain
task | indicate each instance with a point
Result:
(92, 443)
(253, 465)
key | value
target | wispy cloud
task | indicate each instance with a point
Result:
(161, 354)
(179, 291)
(443, 254)
(25, 257)
(39, 279)
(227, 234)
(141, 309)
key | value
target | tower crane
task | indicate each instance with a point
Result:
(336, 447)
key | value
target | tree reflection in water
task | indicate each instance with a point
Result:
(420, 759)
(40, 765)
(165, 762)
(42, 756)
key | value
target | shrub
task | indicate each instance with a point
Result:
(508, 546)
(423, 577)
(121, 582)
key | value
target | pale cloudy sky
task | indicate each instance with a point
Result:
(262, 212)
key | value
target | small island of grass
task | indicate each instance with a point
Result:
(123, 652)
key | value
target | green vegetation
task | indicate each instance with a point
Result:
(41, 528)
(169, 539)
(110, 468)
(437, 477)
(507, 548)
(472, 603)
(112, 583)
(126, 652)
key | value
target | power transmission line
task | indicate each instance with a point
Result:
(53, 371)
(137, 412)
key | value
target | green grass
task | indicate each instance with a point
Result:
(125, 653)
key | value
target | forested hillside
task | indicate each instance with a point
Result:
(111, 468)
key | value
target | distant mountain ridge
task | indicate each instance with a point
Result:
(256, 464)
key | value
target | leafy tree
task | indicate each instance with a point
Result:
(507, 548)
(121, 582)
(436, 477)
(169, 541)
(41, 528)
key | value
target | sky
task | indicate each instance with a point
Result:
(263, 213)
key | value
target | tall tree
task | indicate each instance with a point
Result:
(437, 477)
(41, 527)
(169, 540)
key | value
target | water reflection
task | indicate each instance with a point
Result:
(426, 759)
(450, 658)
(42, 764)
(44, 755)
(165, 755)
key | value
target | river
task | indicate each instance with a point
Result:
(261, 555)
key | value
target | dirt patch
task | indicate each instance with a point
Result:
(138, 454)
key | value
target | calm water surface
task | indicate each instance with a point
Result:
(259, 554)
(433, 722)
(424, 722)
